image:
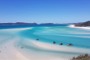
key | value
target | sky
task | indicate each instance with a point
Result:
(44, 11)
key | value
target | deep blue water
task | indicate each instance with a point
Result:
(8, 26)
(59, 34)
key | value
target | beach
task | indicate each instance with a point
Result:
(31, 49)
(8, 51)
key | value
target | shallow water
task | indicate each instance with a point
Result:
(59, 34)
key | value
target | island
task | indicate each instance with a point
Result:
(83, 24)
(25, 24)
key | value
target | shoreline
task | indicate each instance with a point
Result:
(9, 51)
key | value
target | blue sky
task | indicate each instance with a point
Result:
(44, 11)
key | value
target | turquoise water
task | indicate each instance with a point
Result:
(59, 34)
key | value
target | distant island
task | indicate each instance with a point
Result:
(24, 24)
(28, 24)
(83, 24)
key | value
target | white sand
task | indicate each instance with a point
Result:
(73, 26)
(8, 51)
